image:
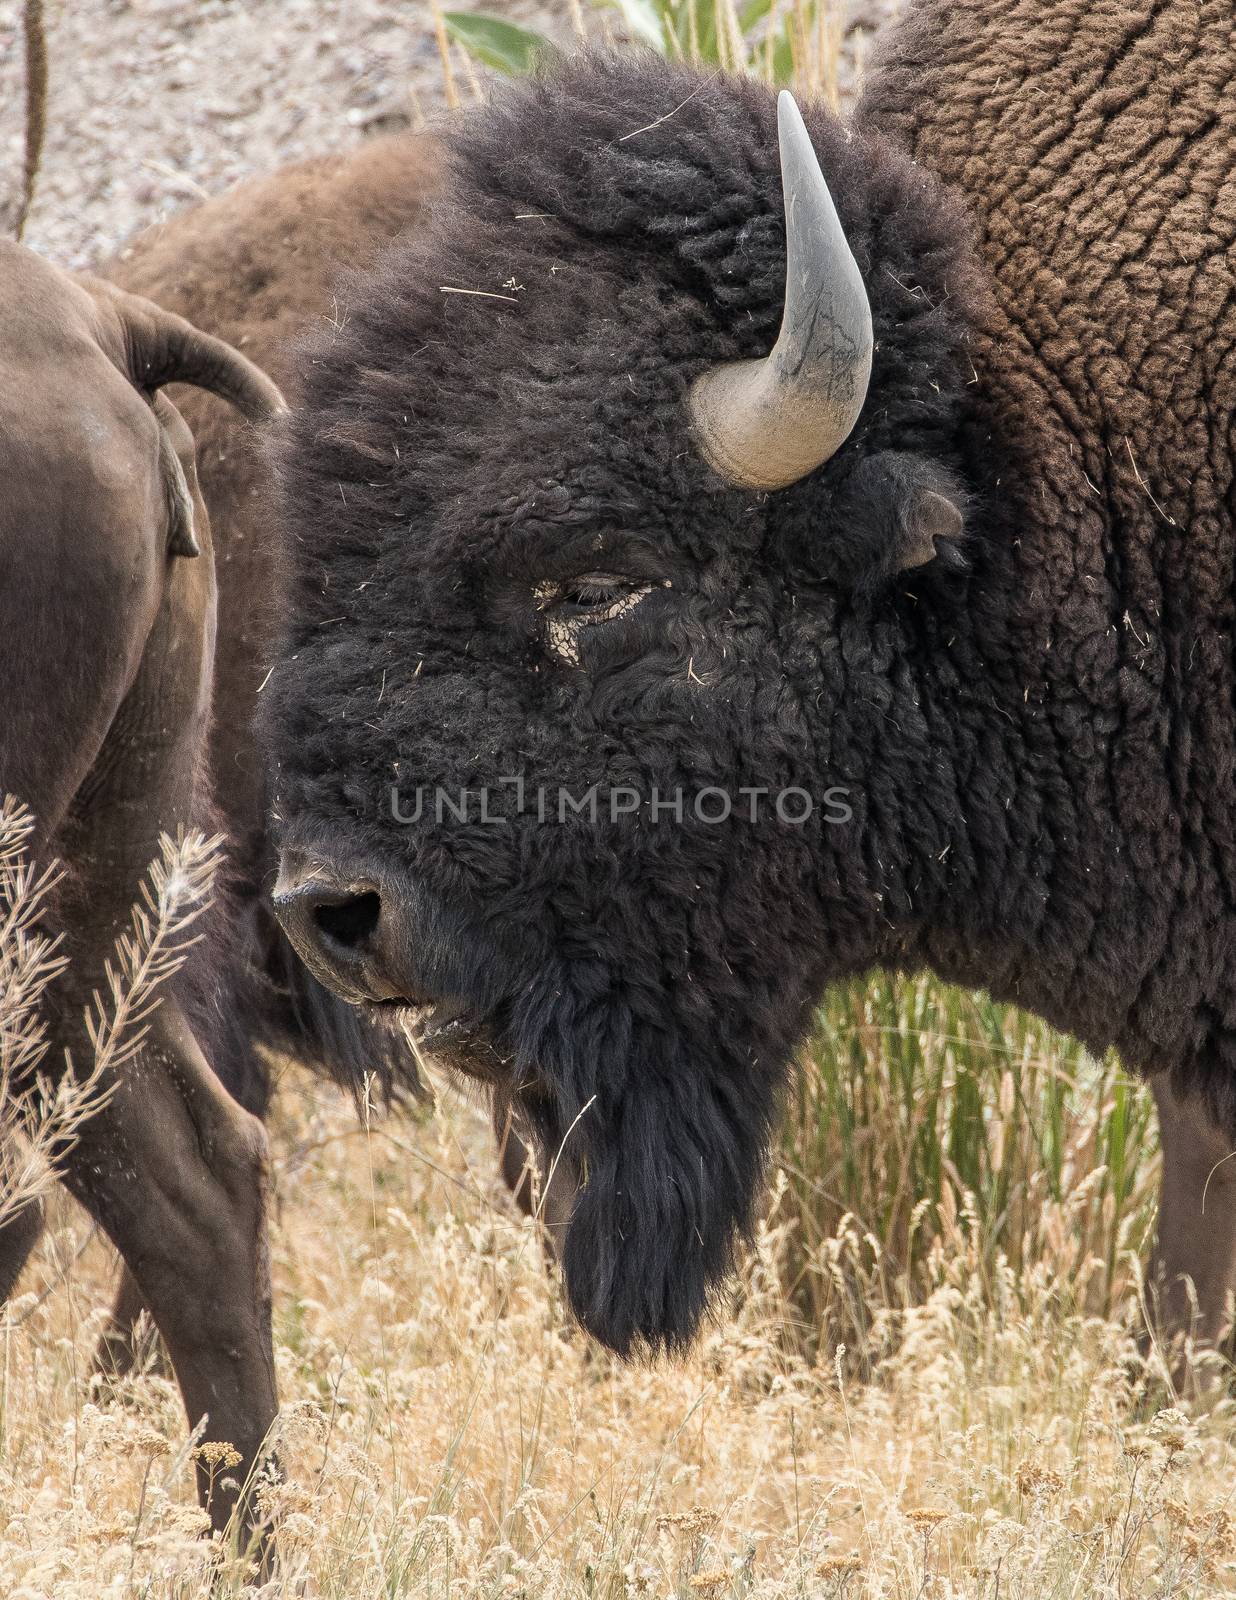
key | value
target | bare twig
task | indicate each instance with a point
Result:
(36, 106)
(651, 125)
(484, 294)
(444, 52)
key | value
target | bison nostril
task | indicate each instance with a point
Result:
(342, 927)
(349, 922)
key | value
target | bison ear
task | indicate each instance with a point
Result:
(933, 525)
(892, 511)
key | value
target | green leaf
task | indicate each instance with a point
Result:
(643, 23)
(498, 44)
(706, 26)
(754, 11)
(783, 59)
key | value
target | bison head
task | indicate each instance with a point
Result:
(593, 628)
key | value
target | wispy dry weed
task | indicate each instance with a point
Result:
(449, 1435)
(44, 1104)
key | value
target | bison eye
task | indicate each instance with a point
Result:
(572, 604)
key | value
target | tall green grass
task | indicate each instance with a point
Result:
(784, 42)
(922, 1114)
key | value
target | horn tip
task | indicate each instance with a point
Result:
(799, 162)
(789, 117)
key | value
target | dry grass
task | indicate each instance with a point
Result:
(449, 1436)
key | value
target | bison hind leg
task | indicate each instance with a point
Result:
(1193, 1267)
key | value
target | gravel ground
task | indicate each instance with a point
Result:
(155, 103)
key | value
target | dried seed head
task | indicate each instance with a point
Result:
(1032, 1478)
(838, 1567)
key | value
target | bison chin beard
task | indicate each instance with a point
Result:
(668, 1174)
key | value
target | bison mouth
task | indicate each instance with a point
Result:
(403, 953)
(466, 1047)
(424, 1026)
(659, 1122)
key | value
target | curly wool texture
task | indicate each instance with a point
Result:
(503, 406)
(1037, 750)
(1093, 144)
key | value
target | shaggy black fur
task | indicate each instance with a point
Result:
(456, 453)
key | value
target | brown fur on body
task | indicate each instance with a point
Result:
(260, 266)
(107, 632)
(1106, 364)
(1094, 147)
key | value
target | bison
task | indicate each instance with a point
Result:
(107, 631)
(479, 487)
(690, 466)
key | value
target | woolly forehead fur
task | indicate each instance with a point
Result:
(611, 228)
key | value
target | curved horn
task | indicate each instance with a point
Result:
(163, 348)
(765, 424)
